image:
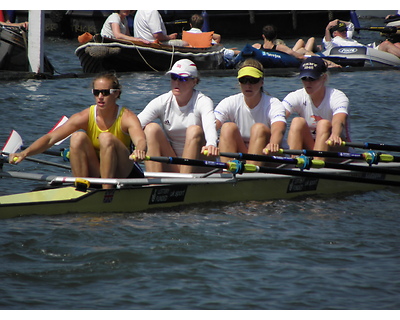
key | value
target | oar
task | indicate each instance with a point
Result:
(304, 162)
(390, 29)
(43, 162)
(368, 145)
(232, 166)
(235, 167)
(370, 157)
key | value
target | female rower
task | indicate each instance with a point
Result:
(323, 111)
(187, 120)
(103, 148)
(252, 120)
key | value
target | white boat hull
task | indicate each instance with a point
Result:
(361, 56)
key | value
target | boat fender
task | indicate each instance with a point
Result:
(81, 184)
(102, 52)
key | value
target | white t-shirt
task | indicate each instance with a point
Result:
(340, 42)
(235, 109)
(148, 22)
(175, 120)
(335, 101)
(106, 31)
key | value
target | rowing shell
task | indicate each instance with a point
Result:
(137, 195)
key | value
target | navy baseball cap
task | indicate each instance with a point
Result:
(312, 67)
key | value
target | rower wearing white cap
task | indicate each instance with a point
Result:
(187, 120)
(252, 120)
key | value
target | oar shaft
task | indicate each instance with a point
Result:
(375, 146)
(324, 154)
(327, 176)
(299, 162)
(189, 162)
(43, 162)
(258, 157)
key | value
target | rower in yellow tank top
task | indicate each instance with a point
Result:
(94, 131)
(95, 152)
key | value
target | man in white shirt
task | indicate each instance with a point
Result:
(149, 25)
(339, 34)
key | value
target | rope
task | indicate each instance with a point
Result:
(145, 59)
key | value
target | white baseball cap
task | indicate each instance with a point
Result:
(184, 68)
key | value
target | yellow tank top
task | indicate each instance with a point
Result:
(94, 131)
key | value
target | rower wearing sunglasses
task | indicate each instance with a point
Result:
(252, 120)
(322, 111)
(102, 146)
(187, 121)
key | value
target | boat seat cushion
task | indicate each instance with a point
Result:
(198, 40)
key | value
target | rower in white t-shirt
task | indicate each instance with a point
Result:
(322, 111)
(187, 120)
(251, 121)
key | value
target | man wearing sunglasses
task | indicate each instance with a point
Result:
(323, 111)
(187, 120)
(252, 120)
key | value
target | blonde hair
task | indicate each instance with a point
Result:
(252, 63)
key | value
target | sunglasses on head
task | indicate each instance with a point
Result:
(250, 80)
(104, 92)
(179, 78)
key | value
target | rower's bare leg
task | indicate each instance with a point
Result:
(323, 132)
(299, 136)
(114, 158)
(193, 143)
(157, 146)
(260, 135)
(83, 157)
(231, 140)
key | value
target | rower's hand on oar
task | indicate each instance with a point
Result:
(334, 141)
(138, 155)
(15, 158)
(210, 151)
(272, 148)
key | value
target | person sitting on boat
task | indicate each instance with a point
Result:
(270, 34)
(149, 25)
(250, 121)
(15, 24)
(300, 50)
(339, 33)
(102, 148)
(116, 27)
(323, 111)
(187, 120)
(196, 23)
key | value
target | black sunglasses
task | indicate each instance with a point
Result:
(104, 92)
(250, 80)
(179, 78)
(308, 79)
